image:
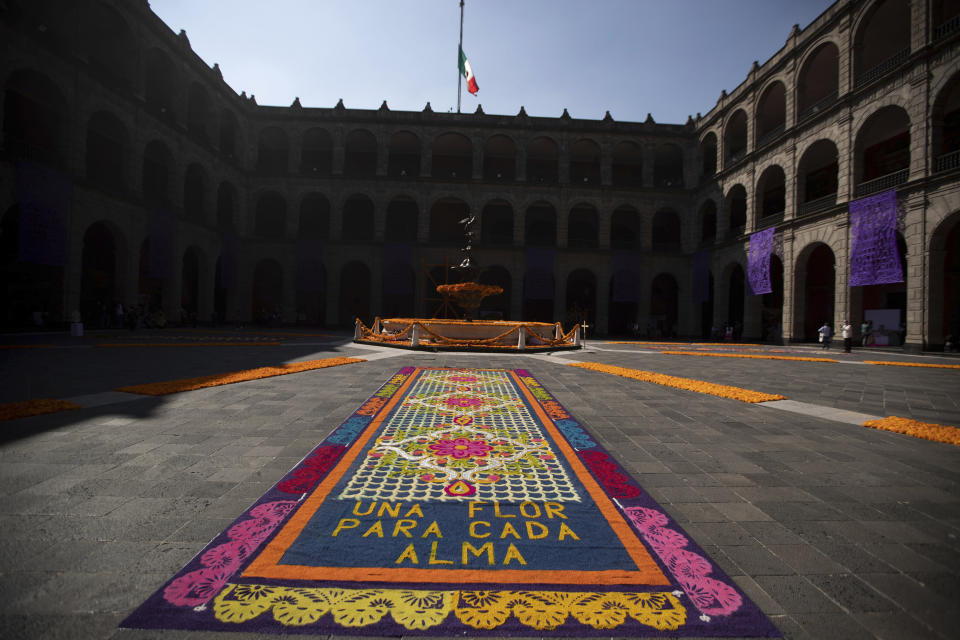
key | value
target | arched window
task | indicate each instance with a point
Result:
(34, 118)
(882, 151)
(226, 202)
(882, 43)
(946, 126)
(404, 158)
(818, 81)
(668, 166)
(708, 222)
(627, 165)
(817, 177)
(735, 138)
(499, 159)
(106, 152)
(736, 205)
(708, 155)
(771, 113)
(542, 161)
(771, 194)
(585, 163)
(273, 151)
(452, 157)
(270, 222)
(316, 153)
(360, 154)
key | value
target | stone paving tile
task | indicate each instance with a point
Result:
(831, 528)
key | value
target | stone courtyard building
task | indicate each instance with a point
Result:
(132, 173)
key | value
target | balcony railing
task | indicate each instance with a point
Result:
(818, 106)
(818, 204)
(946, 28)
(946, 162)
(882, 183)
(735, 157)
(883, 68)
(771, 219)
(770, 135)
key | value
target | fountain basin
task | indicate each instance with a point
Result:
(462, 335)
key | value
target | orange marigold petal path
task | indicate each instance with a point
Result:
(710, 388)
(924, 430)
(201, 382)
(35, 407)
(746, 355)
(913, 364)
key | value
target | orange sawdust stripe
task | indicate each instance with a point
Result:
(187, 344)
(913, 364)
(710, 388)
(924, 430)
(745, 355)
(35, 407)
(201, 382)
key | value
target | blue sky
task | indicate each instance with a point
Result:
(669, 58)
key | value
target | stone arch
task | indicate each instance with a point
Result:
(354, 293)
(266, 299)
(32, 293)
(499, 159)
(735, 138)
(771, 112)
(581, 297)
(707, 215)
(814, 289)
(540, 225)
(881, 39)
(664, 306)
(668, 166)
(452, 156)
(667, 231)
(708, 155)
(818, 81)
(273, 151)
(360, 154)
(585, 162)
(771, 194)
(226, 206)
(944, 298)
(817, 176)
(543, 161)
(161, 85)
(316, 152)
(735, 203)
(101, 277)
(882, 150)
(945, 122)
(403, 160)
(198, 113)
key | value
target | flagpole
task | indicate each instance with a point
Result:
(459, 53)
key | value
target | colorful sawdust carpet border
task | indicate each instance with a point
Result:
(211, 593)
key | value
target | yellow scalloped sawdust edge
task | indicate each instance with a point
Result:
(925, 430)
(35, 407)
(709, 388)
(202, 382)
(746, 355)
(913, 364)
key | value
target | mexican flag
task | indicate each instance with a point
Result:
(468, 73)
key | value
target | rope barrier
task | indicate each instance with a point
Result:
(564, 340)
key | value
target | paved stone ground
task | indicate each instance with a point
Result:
(833, 529)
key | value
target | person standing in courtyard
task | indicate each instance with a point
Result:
(847, 333)
(825, 334)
